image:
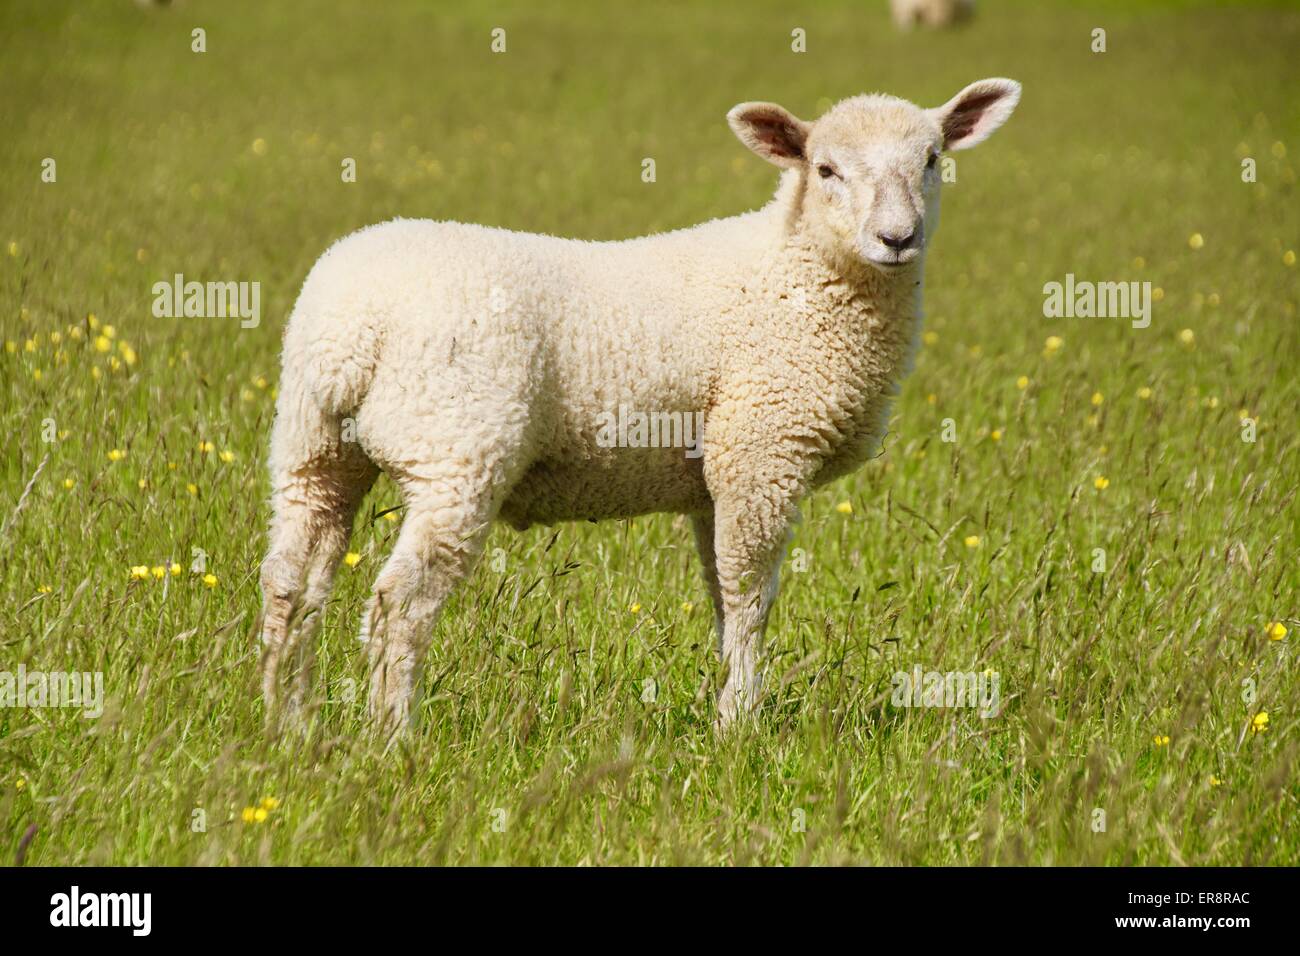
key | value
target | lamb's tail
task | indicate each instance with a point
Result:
(328, 369)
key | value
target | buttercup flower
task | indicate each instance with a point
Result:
(845, 507)
(971, 541)
(1260, 723)
(1276, 631)
(352, 559)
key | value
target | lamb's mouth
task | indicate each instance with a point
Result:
(892, 265)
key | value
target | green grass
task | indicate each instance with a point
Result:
(535, 681)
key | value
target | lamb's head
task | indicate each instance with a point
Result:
(868, 168)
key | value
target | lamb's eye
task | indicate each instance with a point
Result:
(825, 172)
(929, 163)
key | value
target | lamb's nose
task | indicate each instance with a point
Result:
(897, 243)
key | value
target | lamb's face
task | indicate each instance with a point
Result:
(871, 164)
(874, 179)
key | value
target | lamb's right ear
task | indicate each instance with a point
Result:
(771, 131)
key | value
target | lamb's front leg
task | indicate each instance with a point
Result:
(703, 526)
(751, 529)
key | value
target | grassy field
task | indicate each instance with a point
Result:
(1154, 683)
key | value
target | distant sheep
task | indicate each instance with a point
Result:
(480, 369)
(930, 13)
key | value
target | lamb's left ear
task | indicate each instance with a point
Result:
(972, 115)
(771, 131)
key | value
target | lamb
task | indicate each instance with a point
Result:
(476, 366)
(934, 14)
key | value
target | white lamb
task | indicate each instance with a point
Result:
(930, 13)
(476, 367)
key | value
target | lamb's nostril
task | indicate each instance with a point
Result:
(896, 242)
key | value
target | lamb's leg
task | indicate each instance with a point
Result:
(749, 542)
(702, 525)
(314, 501)
(442, 536)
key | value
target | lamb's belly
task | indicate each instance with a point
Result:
(619, 483)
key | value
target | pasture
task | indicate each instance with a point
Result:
(1102, 515)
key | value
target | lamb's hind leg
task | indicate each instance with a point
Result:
(448, 515)
(314, 501)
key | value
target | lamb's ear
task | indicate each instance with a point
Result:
(771, 131)
(972, 115)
